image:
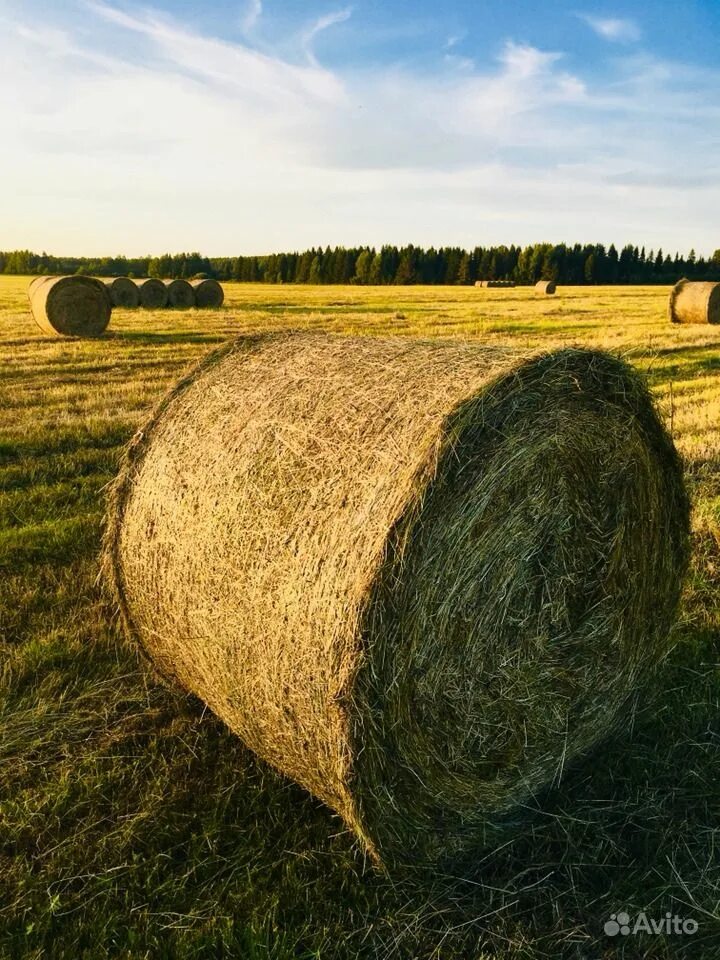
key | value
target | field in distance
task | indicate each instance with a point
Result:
(132, 824)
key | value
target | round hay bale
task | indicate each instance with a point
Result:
(545, 287)
(694, 302)
(418, 578)
(70, 306)
(481, 283)
(123, 292)
(209, 294)
(153, 293)
(180, 294)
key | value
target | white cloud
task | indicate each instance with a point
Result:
(251, 15)
(615, 29)
(323, 23)
(172, 140)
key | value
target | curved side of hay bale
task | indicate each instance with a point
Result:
(70, 306)
(418, 578)
(123, 292)
(546, 287)
(694, 302)
(153, 293)
(209, 294)
(180, 294)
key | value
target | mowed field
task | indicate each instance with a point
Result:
(133, 825)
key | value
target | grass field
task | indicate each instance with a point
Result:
(133, 825)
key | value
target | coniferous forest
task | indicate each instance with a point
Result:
(578, 264)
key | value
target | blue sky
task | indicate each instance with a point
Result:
(268, 125)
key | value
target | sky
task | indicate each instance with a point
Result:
(265, 125)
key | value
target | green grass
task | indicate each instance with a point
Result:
(133, 825)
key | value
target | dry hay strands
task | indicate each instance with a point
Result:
(694, 302)
(123, 292)
(153, 293)
(418, 578)
(70, 306)
(209, 294)
(180, 294)
(546, 287)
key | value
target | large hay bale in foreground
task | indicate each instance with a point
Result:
(123, 292)
(209, 294)
(153, 293)
(70, 306)
(545, 287)
(180, 294)
(694, 302)
(418, 578)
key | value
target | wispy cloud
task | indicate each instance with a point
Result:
(321, 24)
(615, 29)
(252, 14)
(274, 152)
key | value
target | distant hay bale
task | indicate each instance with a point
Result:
(497, 284)
(694, 302)
(209, 294)
(418, 578)
(180, 294)
(481, 283)
(70, 306)
(546, 287)
(153, 293)
(123, 292)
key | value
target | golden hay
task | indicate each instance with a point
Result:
(70, 306)
(547, 287)
(418, 578)
(123, 292)
(694, 302)
(209, 294)
(180, 294)
(153, 293)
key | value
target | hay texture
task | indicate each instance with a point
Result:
(153, 294)
(209, 294)
(545, 287)
(123, 292)
(70, 306)
(180, 294)
(694, 302)
(418, 578)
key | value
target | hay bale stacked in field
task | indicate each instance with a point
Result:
(495, 284)
(180, 294)
(481, 283)
(70, 306)
(209, 294)
(694, 302)
(123, 292)
(545, 287)
(153, 293)
(418, 578)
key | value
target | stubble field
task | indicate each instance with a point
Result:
(133, 825)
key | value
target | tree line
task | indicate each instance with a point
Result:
(578, 264)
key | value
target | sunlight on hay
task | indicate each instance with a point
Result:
(418, 578)
(70, 306)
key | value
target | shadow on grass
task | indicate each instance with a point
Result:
(140, 336)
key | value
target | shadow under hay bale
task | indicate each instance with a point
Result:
(546, 287)
(418, 578)
(153, 293)
(123, 292)
(180, 294)
(694, 302)
(209, 294)
(70, 306)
